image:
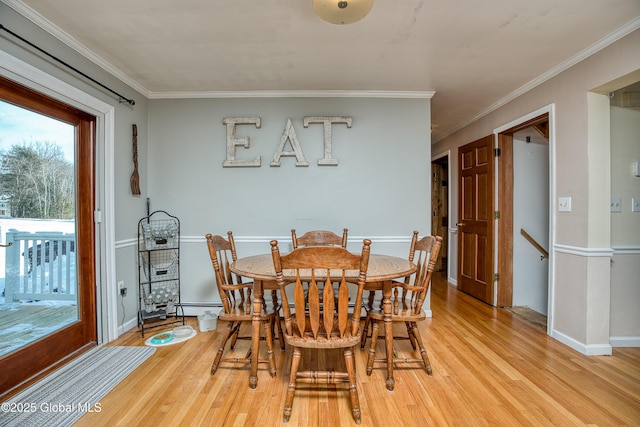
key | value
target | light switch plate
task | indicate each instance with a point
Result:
(635, 204)
(564, 204)
(616, 204)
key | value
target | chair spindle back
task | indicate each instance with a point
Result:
(324, 320)
(319, 238)
(415, 291)
(233, 292)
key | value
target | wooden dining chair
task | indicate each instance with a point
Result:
(407, 301)
(238, 306)
(314, 326)
(372, 290)
(319, 238)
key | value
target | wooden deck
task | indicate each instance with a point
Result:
(23, 323)
(490, 368)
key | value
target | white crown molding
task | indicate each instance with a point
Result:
(64, 37)
(67, 39)
(294, 94)
(621, 32)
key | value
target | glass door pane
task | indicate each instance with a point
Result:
(39, 290)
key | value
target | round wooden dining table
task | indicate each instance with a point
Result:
(381, 271)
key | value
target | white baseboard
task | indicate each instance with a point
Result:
(190, 309)
(127, 326)
(624, 341)
(586, 349)
(196, 309)
(599, 350)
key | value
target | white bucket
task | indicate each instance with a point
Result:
(207, 321)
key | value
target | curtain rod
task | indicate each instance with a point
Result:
(121, 98)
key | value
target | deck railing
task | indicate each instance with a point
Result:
(40, 266)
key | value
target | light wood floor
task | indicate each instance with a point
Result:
(490, 368)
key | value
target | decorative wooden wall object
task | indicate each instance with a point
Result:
(233, 142)
(135, 178)
(289, 134)
(327, 121)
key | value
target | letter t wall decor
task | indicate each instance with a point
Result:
(326, 121)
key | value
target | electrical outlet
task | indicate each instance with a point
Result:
(122, 289)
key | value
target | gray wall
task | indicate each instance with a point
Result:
(380, 189)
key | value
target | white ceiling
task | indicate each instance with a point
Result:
(474, 54)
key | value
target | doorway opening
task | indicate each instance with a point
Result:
(440, 179)
(523, 234)
(49, 299)
(531, 219)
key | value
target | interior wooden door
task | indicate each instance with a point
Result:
(475, 216)
(60, 342)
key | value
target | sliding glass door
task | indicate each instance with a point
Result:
(47, 267)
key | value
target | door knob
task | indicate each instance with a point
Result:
(459, 224)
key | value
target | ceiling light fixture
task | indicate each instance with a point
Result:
(342, 12)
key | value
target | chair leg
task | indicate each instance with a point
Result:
(353, 388)
(234, 339)
(423, 350)
(268, 332)
(412, 339)
(371, 299)
(372, 346)
(388, 342)
(291, 389)
(278, 324)
(355, 365)
(367, 319)
(230, 330)
(278, 321)
(365, 331)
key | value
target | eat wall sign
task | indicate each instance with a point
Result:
(289, 134)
